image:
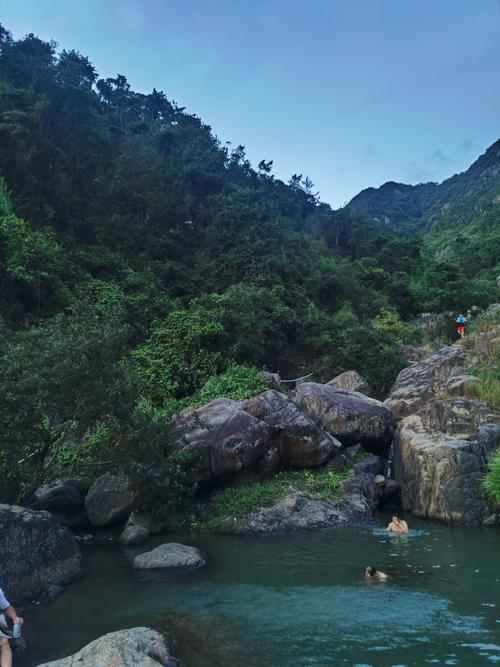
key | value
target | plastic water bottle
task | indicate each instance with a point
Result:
(16, 631)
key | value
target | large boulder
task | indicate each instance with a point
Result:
(169, 555)
(258, 435)
(137, 647)
(226, 439)
(351, 380)
(425, 380)
(299, 442)
(348, 415)
(64, 498)
(112, 497)
(440, 475)
(35, 553)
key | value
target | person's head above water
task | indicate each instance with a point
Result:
(370, 571)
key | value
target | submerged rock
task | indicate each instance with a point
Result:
(351, 380)
(35, 553)
(170, 555)
(126, 648)
(348, 415)
(134, 535)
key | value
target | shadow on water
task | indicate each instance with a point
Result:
(297, 600)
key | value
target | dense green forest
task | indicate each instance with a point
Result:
(140, 257)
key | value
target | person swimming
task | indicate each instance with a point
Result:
(373, 573)
(397, 525)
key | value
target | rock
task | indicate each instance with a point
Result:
(348, 415)
(169, 555)
(485, 342)
(35, 552)
(145, 520)
(430, 322)
(380, 480)
(439, 475)
(111, 498)
(419, 383)
(64, 498)
(351, 380)
(297, 439)
(351, 452)
(126, 648)
(299, 512)
(258, 435)
(227, 439)
(456, 416)
(134, 535)
(370, 466)
(413, 353)
(273, 380)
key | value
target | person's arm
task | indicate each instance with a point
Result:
(12, 614)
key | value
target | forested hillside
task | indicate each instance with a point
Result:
(140, 256)
(458, 219)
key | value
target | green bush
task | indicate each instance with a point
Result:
(491, 482)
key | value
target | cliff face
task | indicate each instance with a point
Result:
(444, 440)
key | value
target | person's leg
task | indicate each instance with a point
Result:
(6, 654)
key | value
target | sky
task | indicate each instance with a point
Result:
(352, 93)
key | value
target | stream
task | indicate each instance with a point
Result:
(297, 600)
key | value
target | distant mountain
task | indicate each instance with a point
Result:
(459, 217)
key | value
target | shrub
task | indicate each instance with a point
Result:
(491, 482)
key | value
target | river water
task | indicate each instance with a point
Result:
(297, 601)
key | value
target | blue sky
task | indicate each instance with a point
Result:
(351, 93)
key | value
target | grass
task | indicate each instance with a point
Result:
(491, 482)
(234, 502)
(488, 386)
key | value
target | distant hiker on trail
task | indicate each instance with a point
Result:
(5, 651)
(461, 325)
(397, 525)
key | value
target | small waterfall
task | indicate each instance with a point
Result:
(388, 465)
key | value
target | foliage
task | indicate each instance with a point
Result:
(237, 382)
(487, 386)
(491, 482)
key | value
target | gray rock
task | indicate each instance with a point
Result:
(134, 535)
(111, 498)
(300, 443)
(141, 647)
(226, 439)
(145, 520)
(258, 435)
(347, 415)
(456, 416)
(36, 553)
(419, 383)
(351, 380)
(299, 512)
(273, 380)
(64, 498)
(169, 555)
(440, 475)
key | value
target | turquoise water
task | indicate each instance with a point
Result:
(298, 600)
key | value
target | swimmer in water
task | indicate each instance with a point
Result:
(397, 525)
(373, 573)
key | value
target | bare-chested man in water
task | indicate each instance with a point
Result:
(397, 525)
(373, 573)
